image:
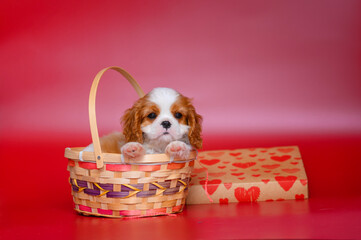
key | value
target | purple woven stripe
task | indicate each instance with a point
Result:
(117, 194)
(165, 184)
(125, 190)
(186, 180)
(79, 182)
(146, 193)
(170, 191)
(138, 186)
(93, 192)
(109, 187)
(105, 186)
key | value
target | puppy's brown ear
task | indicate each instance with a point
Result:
(195, 130)
(131, 125)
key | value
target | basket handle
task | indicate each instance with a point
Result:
(92, 115)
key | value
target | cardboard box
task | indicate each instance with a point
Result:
(249, 175)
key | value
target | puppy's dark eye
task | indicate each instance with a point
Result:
(152, 116)
(178, 115)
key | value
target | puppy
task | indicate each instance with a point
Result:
(163, 121)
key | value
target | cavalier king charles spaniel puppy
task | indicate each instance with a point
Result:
(163, 121)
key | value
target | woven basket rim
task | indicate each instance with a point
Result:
(76, 153)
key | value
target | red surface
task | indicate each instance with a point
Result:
(36, 201)
(254, 68)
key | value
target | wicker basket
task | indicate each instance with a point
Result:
(109, 185)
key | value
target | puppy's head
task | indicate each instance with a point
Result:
(162, 115)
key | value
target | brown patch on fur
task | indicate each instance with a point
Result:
(184, 106)
(136, 117)
(112, 142)
(148, 109)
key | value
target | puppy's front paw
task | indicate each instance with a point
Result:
(178, 149)
(133, 150)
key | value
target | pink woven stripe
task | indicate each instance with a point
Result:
(85, 208)
(88, 165)
(175, 165)
(177, 208)
(130, 212)
(157, 211)
(105, 212)
(149, 168)
(118, 168)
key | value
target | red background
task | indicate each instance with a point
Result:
(251, 66)
(262, 74)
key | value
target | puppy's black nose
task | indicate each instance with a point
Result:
(166, 124)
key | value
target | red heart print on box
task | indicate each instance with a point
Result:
(300, 197)
(303, 182)
(237, 174)
(281, 158)
(223, 201)
(291, 170)
(258, 174)
(285, 150)
(235, 154)
(273, 166)
(244, 165)
(215, 154)
(199, 170)
(217, 174)
(210, 162)
(247, 195)
(286, 182)
(212, 185)
(265, 180)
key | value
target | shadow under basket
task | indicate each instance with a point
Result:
(106, 184)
